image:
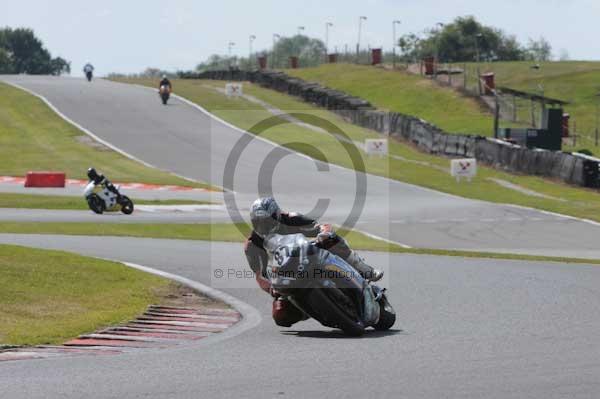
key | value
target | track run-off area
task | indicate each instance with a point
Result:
(466, 327)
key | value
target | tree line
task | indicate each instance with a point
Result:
(463, 40)
(466, 39)
(22, 52)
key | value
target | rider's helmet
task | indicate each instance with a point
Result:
(265, 214)
(93, 175)
(164, 76)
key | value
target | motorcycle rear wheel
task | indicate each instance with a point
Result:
(96, 204)
(325, 302)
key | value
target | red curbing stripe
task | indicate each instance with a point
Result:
(107, 342)
(156, 335)
(132, 186)
(159, 330)
(206, 311)
(187, 320)
(193, 316)
(170, 326)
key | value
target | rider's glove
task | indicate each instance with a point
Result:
(326, 233)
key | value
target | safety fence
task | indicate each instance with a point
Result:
(566, 167)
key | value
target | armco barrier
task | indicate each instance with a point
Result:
(428, 137)
(45, 179)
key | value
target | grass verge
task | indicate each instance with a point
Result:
(33, 137)
(405, 163)
(405, 93)
(47, 297)
(34, 201)
(238, 233)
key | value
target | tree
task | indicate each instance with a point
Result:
(539, 50)
(309, 51)
(22, 52)
(409, 45)
(215, 61)
(564, 55)
(463, 40)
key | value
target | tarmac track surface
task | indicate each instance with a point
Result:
(186, 141)
(467, 328)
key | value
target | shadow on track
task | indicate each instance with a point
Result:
(337, 334)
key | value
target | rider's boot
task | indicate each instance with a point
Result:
(368, 272)
(371, 308)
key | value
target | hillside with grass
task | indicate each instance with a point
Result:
(405, 93)
(577, 82)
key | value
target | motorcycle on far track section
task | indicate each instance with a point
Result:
(165, 93)
(101, 198)
(326, 287)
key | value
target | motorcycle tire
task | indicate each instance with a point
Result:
(326, 302)
(387, 315)
(126, 205)
(165, 99)
(96, 204)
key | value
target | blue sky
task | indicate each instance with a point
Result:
(128, 36)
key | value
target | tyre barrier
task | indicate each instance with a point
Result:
(569, 168)
(45, 179)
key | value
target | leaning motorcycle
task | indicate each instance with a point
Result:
(165, 93)
(101, 199)
(326, 287)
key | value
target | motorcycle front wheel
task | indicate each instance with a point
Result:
(335, 309)
(126, 205)
(387, 315)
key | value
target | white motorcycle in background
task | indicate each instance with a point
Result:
(101, 199)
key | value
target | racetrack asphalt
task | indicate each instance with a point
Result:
(181, 139)
(466, 327)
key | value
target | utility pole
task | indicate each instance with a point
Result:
(436, 60)
(327, 26)
(394, 44)
(250, 40)
(229, 47)
(300, 29)
(360, 19)
(275, 38)
(477, 37)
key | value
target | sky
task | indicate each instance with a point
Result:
(129, 35)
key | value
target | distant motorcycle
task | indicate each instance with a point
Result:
(165, 93)
(326, 287)
(101, 199)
